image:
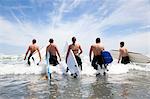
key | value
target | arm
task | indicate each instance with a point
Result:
(103, 48)
(58, 53)
(90, 53)
(27, 53)
(46, 52)
(120, 55)
(39, 53)
(67, 53)
(80, 50)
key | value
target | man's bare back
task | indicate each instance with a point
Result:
(97, 49)
(75, 48)
(123, 51)
(51, 48)
(32, 48)
(123, 54)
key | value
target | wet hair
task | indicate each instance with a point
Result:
(122, 44)
(98, 40)
(34, 41)
(51, 40)
(73, 39)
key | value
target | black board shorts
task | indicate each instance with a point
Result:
(125, 60)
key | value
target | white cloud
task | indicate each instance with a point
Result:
(135, 11)
(86, 27)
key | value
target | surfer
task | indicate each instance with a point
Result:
(97, 58)
(32, 48)
(123, 54)
(52, 50)
(75, 48)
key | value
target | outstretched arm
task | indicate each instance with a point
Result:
(67, 53)
(90, 53)
(27, 53)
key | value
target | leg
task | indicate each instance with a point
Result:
(29, 63)
(94, 63)
(79, 61)
(81, 67)
(50, 76)
(67, 69)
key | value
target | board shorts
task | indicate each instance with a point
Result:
(53, 60)
(125, 60)
(97, 60)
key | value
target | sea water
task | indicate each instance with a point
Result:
(20, 81)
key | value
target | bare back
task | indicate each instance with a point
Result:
(123, 52)
(33, 48)
(97, 48)
(52, 49)
(75, 48)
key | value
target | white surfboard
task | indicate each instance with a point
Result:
(134, 57)
(72, 64)
(36, 57)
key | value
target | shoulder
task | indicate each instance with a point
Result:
(70, 46)
(54, 45)
(93, 45)
(37, 46)
(47, 46)
(30, 46)
(121, 49)
(78, 45)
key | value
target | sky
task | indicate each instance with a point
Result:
(111, 20)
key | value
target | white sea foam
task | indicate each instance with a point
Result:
(22, 68)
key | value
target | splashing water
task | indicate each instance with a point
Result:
(16, 65)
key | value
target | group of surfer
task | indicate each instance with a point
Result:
(96, 49)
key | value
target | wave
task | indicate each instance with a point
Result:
(16, 65)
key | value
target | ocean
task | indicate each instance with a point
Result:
(20, 81)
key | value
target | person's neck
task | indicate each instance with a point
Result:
(73, 43)
(98, 43)
(51, 43)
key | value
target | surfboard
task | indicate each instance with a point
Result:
(72, 64)
(134, 57)
(48, 68)
(35, 59)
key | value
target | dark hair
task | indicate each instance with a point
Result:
(34, 41)
(73, 39)
(98, 40)
(122, 44)
(51, 40)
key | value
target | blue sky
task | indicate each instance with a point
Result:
(111, 20)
